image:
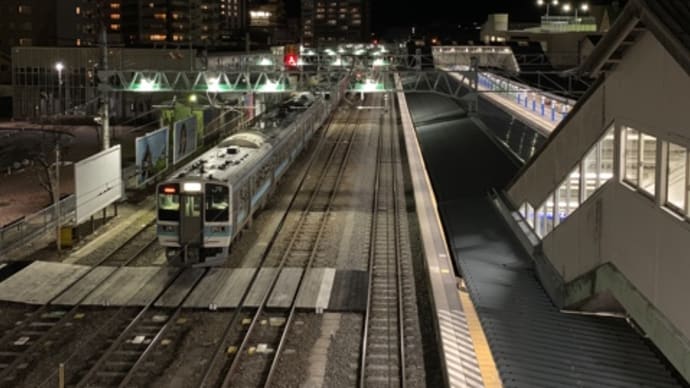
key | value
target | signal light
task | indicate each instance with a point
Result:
(290, 60)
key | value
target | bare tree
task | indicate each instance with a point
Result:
(45, 173)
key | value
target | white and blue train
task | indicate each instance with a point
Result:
(203, 206)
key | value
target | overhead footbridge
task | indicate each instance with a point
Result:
(603, 206)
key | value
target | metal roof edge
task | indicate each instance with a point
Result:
(663, 334)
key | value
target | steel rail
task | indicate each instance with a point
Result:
(312, 255)
(233, 321)
(21, 357)
(236, 360)
(394, 216)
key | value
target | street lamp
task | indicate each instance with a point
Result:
(59, 67)
(548, 3)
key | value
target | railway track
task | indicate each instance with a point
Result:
(382, 360)
(267, 329)
(19, 345)
(124, 356)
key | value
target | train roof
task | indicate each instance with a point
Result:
(238, 154)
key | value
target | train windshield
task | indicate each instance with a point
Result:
(217, 203)
(169, 202)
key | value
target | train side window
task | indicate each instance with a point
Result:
(217, 203)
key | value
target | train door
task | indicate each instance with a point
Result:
(191, 226)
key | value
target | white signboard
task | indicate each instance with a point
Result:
(98, 182)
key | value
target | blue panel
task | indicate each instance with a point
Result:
(162, 233)
(261, 192)
(241, 216)
(226, 233)
(281, 168)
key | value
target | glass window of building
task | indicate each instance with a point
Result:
(544, 217)
(632, 151)
(568, 196)
(574, 190)
(606, 155)
(648, 164)
(676, 177)
(560, 210)
(591, 172)
(529, 215)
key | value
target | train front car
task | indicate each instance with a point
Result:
(194, 220)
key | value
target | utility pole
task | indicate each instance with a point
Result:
(56, 194)
(191, 38)
(105, 97)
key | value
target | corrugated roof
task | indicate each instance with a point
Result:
(668, 20)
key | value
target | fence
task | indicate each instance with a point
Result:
(36, 225)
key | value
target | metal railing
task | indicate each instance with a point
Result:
(36, 225)
(568, 23)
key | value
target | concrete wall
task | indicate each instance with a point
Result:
(648, 91)
(647, 244)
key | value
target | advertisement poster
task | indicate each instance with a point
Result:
(184, 138)
(151, 155)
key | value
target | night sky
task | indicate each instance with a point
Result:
(425, 12)
(404, 13)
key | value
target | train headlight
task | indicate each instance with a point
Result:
(217, 229)
(191, 187)
(168, 228)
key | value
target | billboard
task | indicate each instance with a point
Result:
(184, 138)
(98, 182)
(151, 155)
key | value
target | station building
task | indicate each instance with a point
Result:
(604, 205)
(36, 89)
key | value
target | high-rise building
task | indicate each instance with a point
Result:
(268, 23)
(27, 23)
(333, 21)
(163, 22)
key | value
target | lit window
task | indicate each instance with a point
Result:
(632, 151)
(606, 151)
(590, 171)
(676, 176)
(544, 217)
(648, 164)
(115, 16)
(24, 10)
(77, 11)
(598, 164)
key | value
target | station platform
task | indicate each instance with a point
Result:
(464, 352)
(538, 109)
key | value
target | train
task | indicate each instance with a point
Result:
(203, 207)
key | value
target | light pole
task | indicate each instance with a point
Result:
(59, 67)
(548, 4)
(584, 7)
(57, 194)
